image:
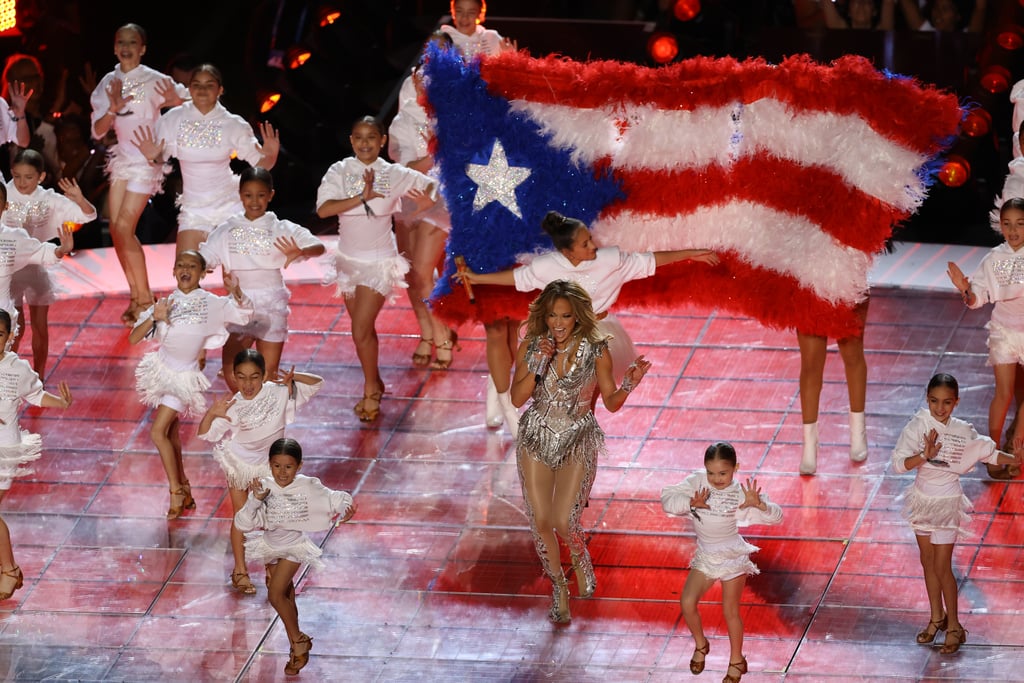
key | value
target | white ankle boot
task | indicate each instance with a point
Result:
(858, 438)
(509, 412)
(809, 461)
(494, 414)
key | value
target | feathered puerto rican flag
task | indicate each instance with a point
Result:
(794, 173)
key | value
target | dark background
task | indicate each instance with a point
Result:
(357, 63)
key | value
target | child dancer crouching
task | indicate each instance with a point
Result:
(286, 505)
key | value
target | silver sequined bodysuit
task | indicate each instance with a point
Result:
(559, 427)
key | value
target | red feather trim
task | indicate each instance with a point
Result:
(850, 85)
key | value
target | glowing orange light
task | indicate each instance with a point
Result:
(978, 122)
(72, 226)
(297, 58)
(955, 172)
(8, 16)
(1011, 38)
(686, 9)
(996, 79)
(328, 17)
(662, 47)
(269, 102)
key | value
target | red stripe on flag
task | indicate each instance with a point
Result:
(852, 217)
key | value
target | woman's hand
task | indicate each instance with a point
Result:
(19, 98)
(634, 373)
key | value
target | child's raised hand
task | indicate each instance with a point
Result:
(145, 139)
(700, 498)
(88, 78)
(349, 514)
(71, 190)
(117, 100)
(751, 494)
(509, 45)
(221, 405)
(956, 276)
(162, 310)
(931, 445)
(271, 146)
(165, 89)
(368, 190)
(232, 285)
(422, 200)
(67, 240)
(290, 248)
(65, 394)
(258, 491)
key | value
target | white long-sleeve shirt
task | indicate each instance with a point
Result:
(246, 249)
(142, 110)
(719, 523)
(601, 278)
(17, 250)
(41, 213)
(961, 448)
(304, 505)
(999, 280)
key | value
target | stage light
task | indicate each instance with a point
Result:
(977, 123)
(9, 17)
(328, 15)
(662, 47)
(955, 171)
(297, 56)
(685, 10)
(269, 101)
(1011, 38)
(996, 79)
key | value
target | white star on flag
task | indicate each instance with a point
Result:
(497, 181)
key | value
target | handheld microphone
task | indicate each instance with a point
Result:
(543, 368)
(461, 267)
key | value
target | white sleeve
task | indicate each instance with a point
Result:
(214, 249)
(534, 275)
(908, 443)
(100, 102)
(8, 126)
(675, 500)
(332, 186)
(251, 516)
(753, 515)
(242, 141)
(30, 387)
(302, 236)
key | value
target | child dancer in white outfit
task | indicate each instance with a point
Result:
(941, 448)
(255, 246)
(127, 98)
(204, 136)
(364, 191)
(169, 379)
(468, 34)
(286, 506)
(255, 417)
(718, 505)
(999, 280)
(18, 383)
(42, 213)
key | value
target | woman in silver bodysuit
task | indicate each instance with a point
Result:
(561, 363)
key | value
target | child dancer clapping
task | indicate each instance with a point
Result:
(285, 506)
(718, 505)
(941, 448)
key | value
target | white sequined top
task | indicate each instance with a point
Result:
(304, 505)
(601, 278)
(257, 423)
(143, 110)
(197, 321)
(999, 280)
(204, 145)
(961, 448)
(41, 213)
(246, 248)
(409, 132)
(359, 235)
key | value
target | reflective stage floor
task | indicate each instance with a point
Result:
(436, 578)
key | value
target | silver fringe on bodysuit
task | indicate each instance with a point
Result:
(559, 429)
